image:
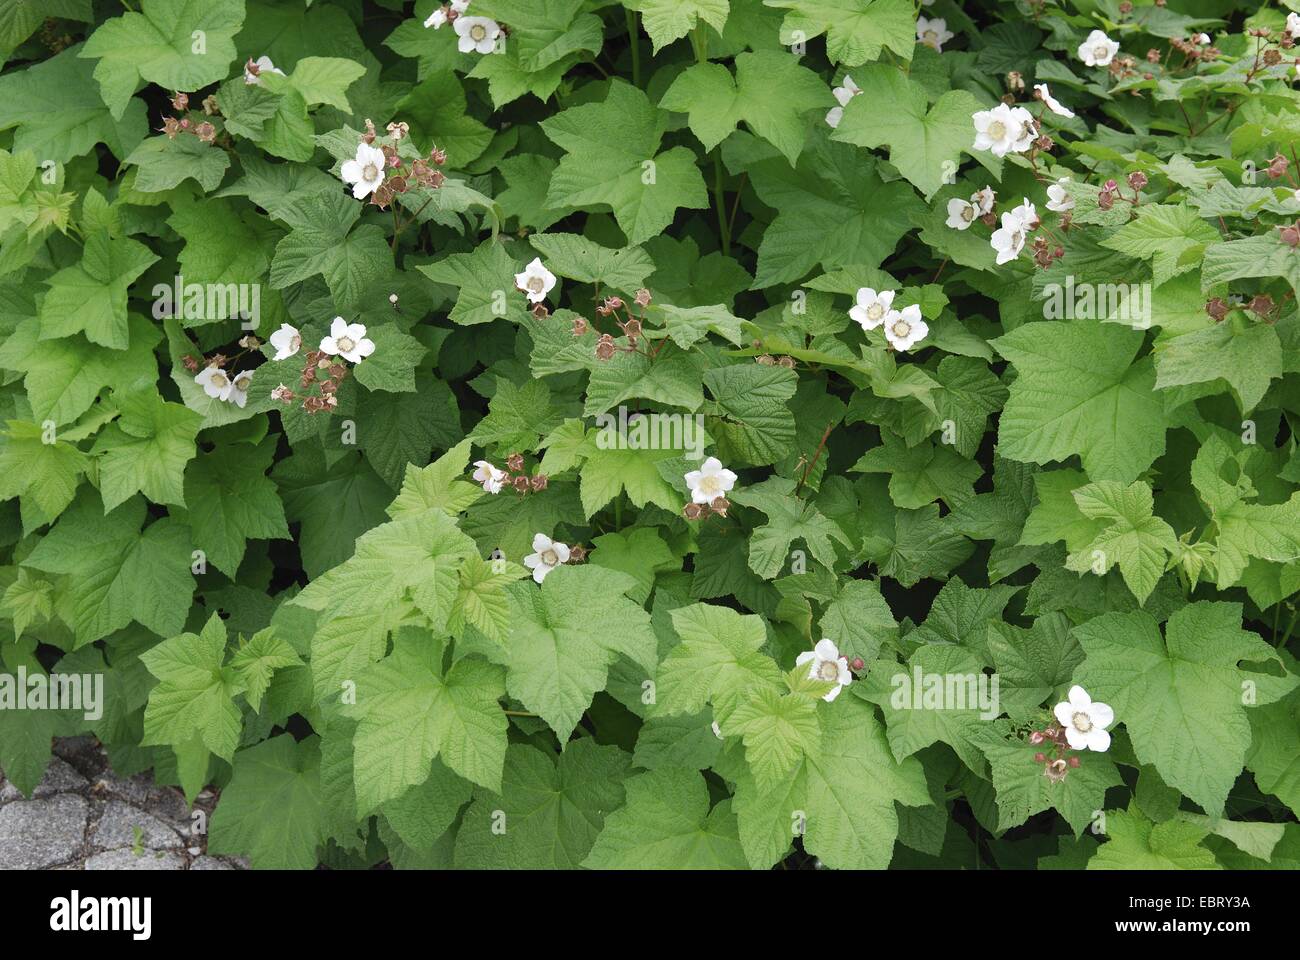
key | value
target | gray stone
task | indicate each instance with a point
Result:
(60, 777)
(118, 826)
(41, 833)
(211, 863)
(129, 860)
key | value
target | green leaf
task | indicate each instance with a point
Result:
(271, 811)
(1132, 537)
(47, 473)
(117, 574)
(778, 732)
(750, 414)
(717, 103)
(669, 20)
(857, 31)
(925, 142)
(718, 661)
(833, 210)
(194, 699)
(1171, 237)
(689, 325)
(1180, 698)
(1080, 393)
(54, 109)
(177, 44)
(1134, 843)
(565, 635)
(90, 297)
(163, 163)
(1247, 358)
(666, 824)
(324, 241)
(612, 160)
(232, 501)
(842, 800)
(411, 710)
(145, 450)
(256, 661)
(578, 258)
(551, 807)
(788, 519)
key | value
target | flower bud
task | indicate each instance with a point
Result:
(515, 462)
(694, 511)
(1073, 763)
(1217, 309)
(1040, 757)
(1137, 180)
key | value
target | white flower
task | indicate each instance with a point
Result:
(961, 213)
(1098, 50)
(843, 95)
(536, 281)
(264, 65)
(1058, 200)
(1085, 722)
(1027, 214)
(872, 307)
(347, 340)
(239, 388)
(711, 481)
(1052, 103)
(1003, 130)
(1204, 38)
(365, 171)
(1010, 239)
(436, 19)
(546, 556)
(1296, 196)
(825, 663)
(1293, 25)
(489, 476)
(933, 33)
(477, 34)
(983, 198)
(717, 730)
(460, 6)
(905, 328)
(214, 382)
(287, 341)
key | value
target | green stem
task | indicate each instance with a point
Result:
(719, 199)
(634, 40)
(618, 511)
(1281, 645)
(700, 42)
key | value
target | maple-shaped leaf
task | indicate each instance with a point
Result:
(145, 450)
(1180, 696)
(90, 297)
(195, 695)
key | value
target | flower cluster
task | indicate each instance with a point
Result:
(903, 329)
(709, 486)
(380, 173)
(825, 663)
(181, 123)
(475, 34)
(493, 479)
(1080, 724)
(548, 554)
(345, 340)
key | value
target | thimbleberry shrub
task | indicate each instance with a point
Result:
(660, 433)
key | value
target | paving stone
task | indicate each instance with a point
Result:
(210, 863)
(60, 777)
(41, 833)
(128, 859)
(117, 828)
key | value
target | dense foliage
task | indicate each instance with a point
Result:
(660, 433)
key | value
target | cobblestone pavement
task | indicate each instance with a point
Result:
(83, 817)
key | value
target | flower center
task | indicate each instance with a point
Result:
(710, 485)
(902, 328)
(997, 129)
(241, 384)
(828, 670)
(219, 379)
(536, 284)
(968, 213)
(1100, 51)
(930, 37)
(346, 344)
(1082, 722)
(477, 32)
(369, 173)
(550, 558)
(295, 343)
(875, 311)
